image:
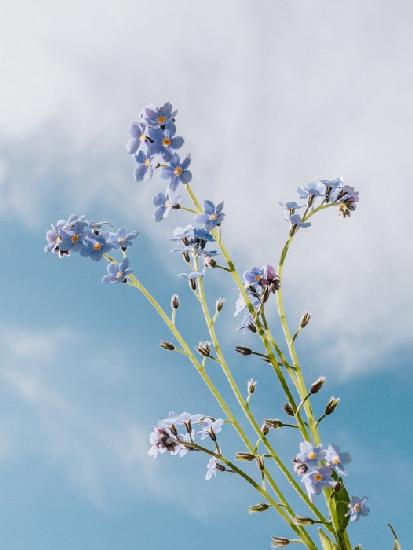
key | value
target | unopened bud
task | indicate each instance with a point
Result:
(251, 327)
(192, 284)
(300, 468)
(167, 345)
(186, 257)
(288, 409)
(209, 261)
(204, 348)
(304, 521)
(265, 429)
(279, 542)
(243, 350)
(305, 319)
(219, 304)
(244, 457)
(175, 301)
(252, 384)
(273, 422)
(220, 467)
(337, 487)
(332, 405)
(317, 385)
(260, 462)
(261, 507)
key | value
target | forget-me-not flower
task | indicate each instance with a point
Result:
(177, 172)
(336, 459)
(358, 507)
(117, 272)
(212, 216)
(316, 480)
(145, 167)
(164, 203)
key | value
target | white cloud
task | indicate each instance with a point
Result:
(268, 99)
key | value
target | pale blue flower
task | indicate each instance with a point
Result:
(117, 272)
(336, 459)
(145, 168)
(310, 455)
(358, 507)
(177, 172)
(212, 216)
(164, 203)
(316, 480)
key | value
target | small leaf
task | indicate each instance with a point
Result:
(339, 509)
(326, 543)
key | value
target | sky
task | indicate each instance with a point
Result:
(270, 96)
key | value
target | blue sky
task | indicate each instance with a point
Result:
(268, 99)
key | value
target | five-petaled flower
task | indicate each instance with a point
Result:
(117, 272)
(337, 459)
(164, 203)
(212, 216)
(357, 507)
(177, 172)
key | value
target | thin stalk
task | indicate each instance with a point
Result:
(134, 282)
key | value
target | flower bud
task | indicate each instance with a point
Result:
(260, 462)
(186, 257)
(244, 457)
(288, 409)
(279, 542)
(337, 487)
(303, 521)
(332, 405)
(175, 301)
(252, 328)
(317, 385)
(300, 468)
(220, 467)
(167, 345)
(209, 261)
(265, 429)
(305, 319)
(243, 350)
(252, 384)
(219, 304)
(192, 284)
(261, 507)
(204, 348)
(273, 423)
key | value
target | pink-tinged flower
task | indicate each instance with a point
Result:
(210, 427)
(162, 440)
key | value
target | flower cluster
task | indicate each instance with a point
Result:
(321, 468)
(177, 435)
(328, 191)
(259, 283)
(78, 234)
(153, 142)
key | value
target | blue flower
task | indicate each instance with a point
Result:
(164, 203)
(96, 245)
(312, 189)
(144, 170)
(138, 134)
(291, 206)
(296, 221)
(122, 239)
(357, 507)
(316, 480)
(193, 238)
(337, 459)
(117, 272)
(162, 117)
(254, 276)
(163, 142)
(177, 172)
(192, 276)
(213, 215)
(72, 239)
(310, 455)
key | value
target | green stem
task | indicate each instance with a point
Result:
(134, 282)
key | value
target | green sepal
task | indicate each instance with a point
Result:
(326, 543)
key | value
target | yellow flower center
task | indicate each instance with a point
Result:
(161, 119)
(166, 142)
(97, 246)
(142, 138)
(178, 171)
(147, 163)
(357, 507)
(336, 460)
(258, 278)
(318, 477)
(213, 217)
(311, 455)
(119, 274)
(75, 238)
